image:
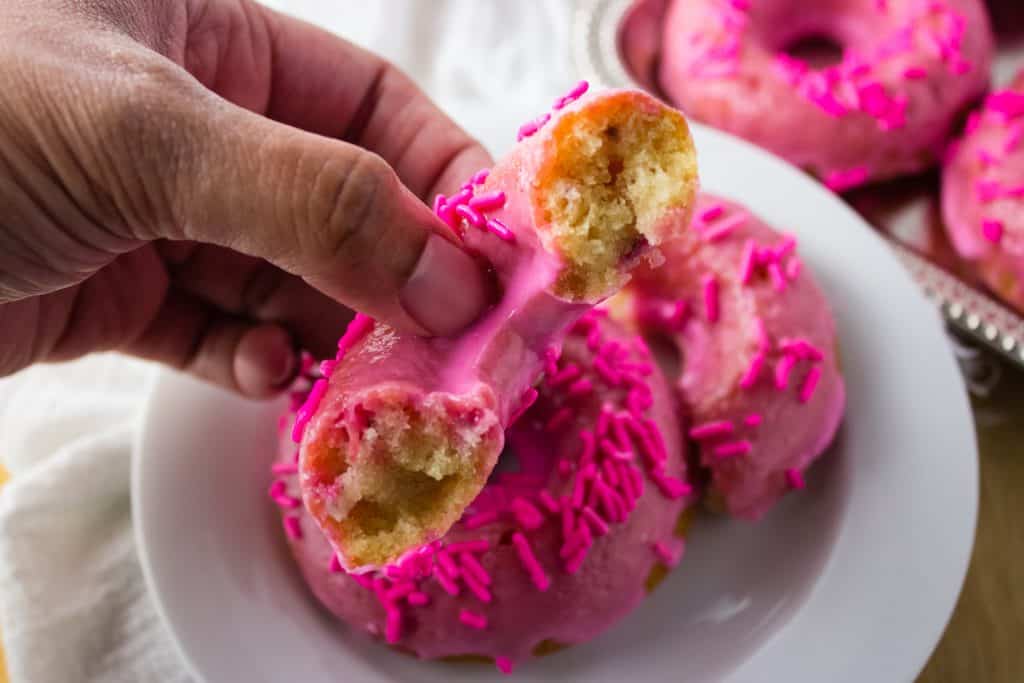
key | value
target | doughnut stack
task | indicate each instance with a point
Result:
(521, 487)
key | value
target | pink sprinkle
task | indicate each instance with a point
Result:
(602, 368)
(472, 567)
(478, 546)
(399, 592)
(581, 387)
(576, 561)
(612, 451)
(840, 181)
(577, 91)
(793, 268)
(711, 213)
(711, 298)
(479, 591)
(528, 516)
(418, 599)
(579, 485)
(810, 384)
(277, 488)
(973, 123)
(754, 419)
(504, 665)
(782, 370)
(671, 487)
(747, 263)
(447, 564)
(589, 446)
(482, 519)
(915, 73)
(778, 280)
(564, 467)
(992, 230)
(447, 583)
(530, 563)
(608, 468)
(710, 430)
(802, 349)
(568, 520)
(360, 326)
(733, 449)
(287, 502)
(561, 417)
(439, 204)
(723, 229)
(334, 566)
(1007, 103)
(502, 231)
(305, 413)
(664, 554)
(480, 177)
(471, 215)
(750, 377)
(392, 625)
(284, 468)
(528, 399)
(564, 376)
(293, 527)
(599, 526)
(531, 127)
(489, 201)
(795, 479)
(460, 198)
(988, 190)
(548, 501)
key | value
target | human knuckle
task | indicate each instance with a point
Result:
(346, 204)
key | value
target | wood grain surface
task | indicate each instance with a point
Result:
(984, 642)
(985, 639)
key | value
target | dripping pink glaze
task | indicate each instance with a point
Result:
(885, 110)
(502, 588)
(982, 197)
(762, 383)
(478, 378)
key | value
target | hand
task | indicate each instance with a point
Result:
(205, 182)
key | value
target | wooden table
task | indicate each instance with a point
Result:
(983, 641)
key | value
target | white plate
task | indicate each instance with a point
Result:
(851, 580)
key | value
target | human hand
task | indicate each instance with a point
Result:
(205, 182)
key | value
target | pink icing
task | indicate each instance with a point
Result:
(905, 73)
(762, 384)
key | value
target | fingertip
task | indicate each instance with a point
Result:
(265, 361)
(447, 290)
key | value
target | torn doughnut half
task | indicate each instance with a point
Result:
(403, 432)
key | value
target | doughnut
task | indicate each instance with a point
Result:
(759, 374)
(579, 518)
(402, 432)
(887, 108)
(983, 192)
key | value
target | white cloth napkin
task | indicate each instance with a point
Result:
(73, 605)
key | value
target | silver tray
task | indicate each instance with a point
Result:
(977, 319)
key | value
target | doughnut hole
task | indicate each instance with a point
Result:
(614, 172)
(817, 50)
(405, 476)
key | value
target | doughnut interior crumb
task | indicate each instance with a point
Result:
(617, 169)
(397, 491)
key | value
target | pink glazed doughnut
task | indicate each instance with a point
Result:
(983, 193)
(887, 108)
(404, 431)
(579, 519)
(760, 377)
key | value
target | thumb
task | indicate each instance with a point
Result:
(330, 212)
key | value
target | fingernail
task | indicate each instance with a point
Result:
(446, 291)
(286, 364)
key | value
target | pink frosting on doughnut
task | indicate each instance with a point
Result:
(908, 67)
(760, 381)
(983, 192)
(559, 544)
(428, 415)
